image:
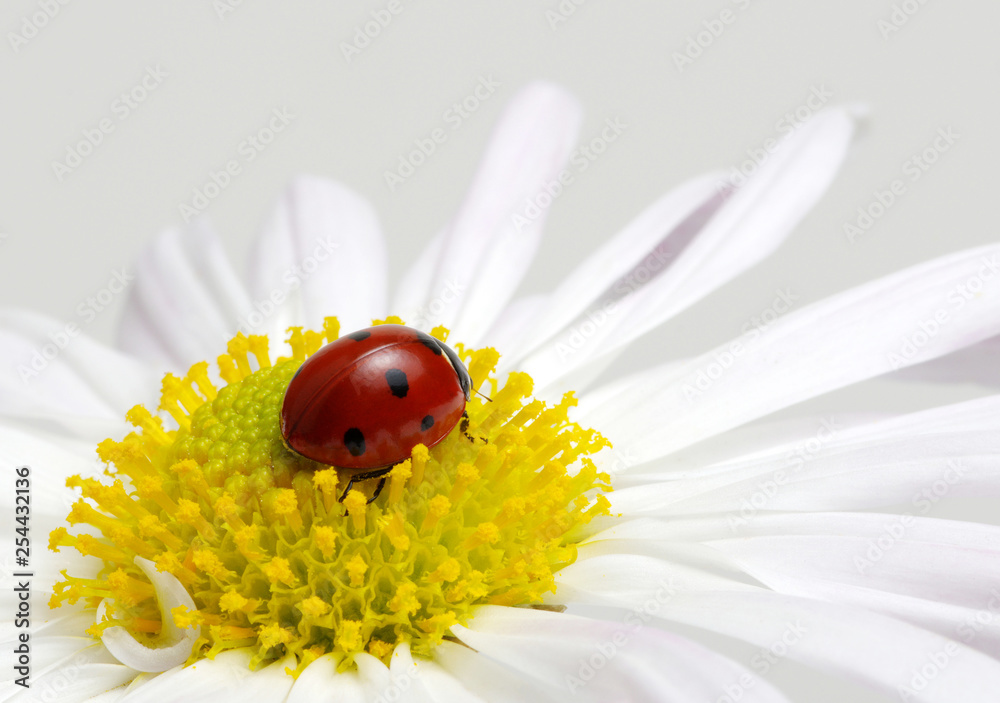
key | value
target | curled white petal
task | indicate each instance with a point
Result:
(176, 643)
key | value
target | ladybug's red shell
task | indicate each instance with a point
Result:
(365, 400)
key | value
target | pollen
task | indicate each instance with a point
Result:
(275, 559)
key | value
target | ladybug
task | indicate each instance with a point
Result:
(365, 400)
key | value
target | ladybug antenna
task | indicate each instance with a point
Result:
(482, 394)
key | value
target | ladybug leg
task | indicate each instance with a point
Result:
(465, 429)
(377, 473)
(350, 484)
(378, 489)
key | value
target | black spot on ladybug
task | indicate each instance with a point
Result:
(354, 440)
(427, 422)
(359, 335)
(429, 342)
(397, 382)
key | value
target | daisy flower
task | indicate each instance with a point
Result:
(197, 557)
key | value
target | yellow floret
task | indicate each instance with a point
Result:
(273, 561)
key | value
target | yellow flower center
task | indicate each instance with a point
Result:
(273, 561)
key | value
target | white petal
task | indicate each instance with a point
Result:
(489, 679)
(593, 660)
(225, 679)
(938, 574)
(719, 239)
(53, 368)
(320, 683)
(916, 569)
(917, 471)
(412, 682)
(68, 621)
(86, 673)
(642, 251)
(186, 301)
(441, 686)
(374, 674)
(486, 250)
(848, 338)
(175, 643)
(509, 332)
(267, 685)
(87, 428)
(975, 364)
(411, 296)
(880, 651)
(112, 696)
(913, 549)
(778, 440)
(322, 252)
(654, 531)
(51, 462)
(50, 652)
(629, 572)
(793, 444)
(401, 682)
(50, 459)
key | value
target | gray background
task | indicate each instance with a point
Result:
(353, 120)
